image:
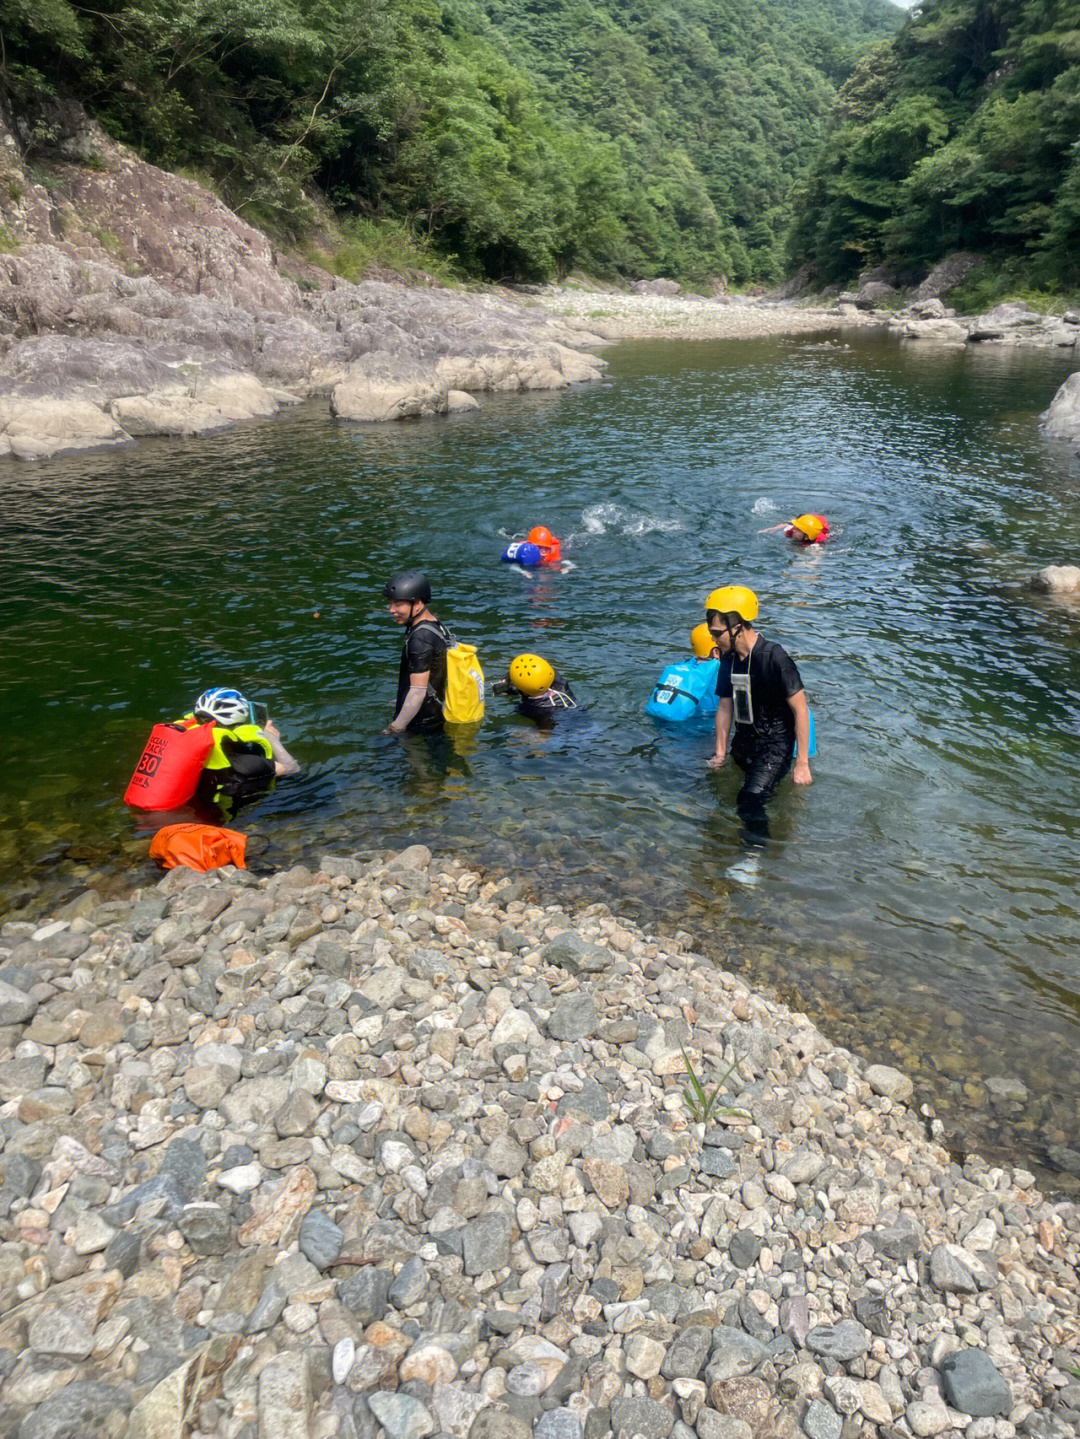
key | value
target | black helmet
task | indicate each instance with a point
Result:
(408, 585)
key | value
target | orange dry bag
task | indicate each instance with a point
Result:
(198, 846)
(169, 768)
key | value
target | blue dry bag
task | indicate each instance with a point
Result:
(813, 738)
(685, 691)
(521, 552)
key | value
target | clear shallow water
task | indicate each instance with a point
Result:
(920, 899)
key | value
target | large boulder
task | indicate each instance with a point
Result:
(876, 294)
(208, 404)
(381, 386)
(518, 367)
(1011, 316)
(37, 429)
(947, 274)
(1062, 420)
(941, 332)
(656, 287)
(797, 285)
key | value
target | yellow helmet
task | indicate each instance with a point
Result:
(531, 674)
(734, 599)
(701, 641)
(811, 526)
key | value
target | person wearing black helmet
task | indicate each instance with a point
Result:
(422, 675)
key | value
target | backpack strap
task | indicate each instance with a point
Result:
(439, 628)
(444, 634)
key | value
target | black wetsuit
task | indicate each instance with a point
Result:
(763, 743)
(424, 649)
(556, 699)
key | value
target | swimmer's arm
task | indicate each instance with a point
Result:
(418, 686)
(801, 773)
(772, 529)
(723, 729)
(283, 760)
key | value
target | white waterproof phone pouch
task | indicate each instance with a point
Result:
(741, 703)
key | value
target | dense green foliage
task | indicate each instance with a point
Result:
(712, 109)
(523, 140)
(963, 132)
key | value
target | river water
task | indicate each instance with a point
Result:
(919, 900)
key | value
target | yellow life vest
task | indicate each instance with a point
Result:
(242, 734)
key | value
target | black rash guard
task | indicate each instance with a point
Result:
(764, 745)
(424, 649)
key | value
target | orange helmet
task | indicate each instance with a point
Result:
(542, 536)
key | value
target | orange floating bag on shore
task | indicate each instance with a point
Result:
(198, 846)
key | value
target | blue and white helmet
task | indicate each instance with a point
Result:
(225, 707)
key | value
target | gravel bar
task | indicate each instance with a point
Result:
(380, 1147)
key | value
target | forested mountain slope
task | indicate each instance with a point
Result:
(621, 136)
(713, 109)
(963, 132)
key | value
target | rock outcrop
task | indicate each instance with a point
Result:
(656, 287)
(1062, 420)
(1014, 323)
(947, 274)
(133, 302)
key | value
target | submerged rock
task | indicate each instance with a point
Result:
(1057, 580)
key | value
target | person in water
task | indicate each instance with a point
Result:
(246, 757)
(804, 530)
(422, 673)
(703, 644)
(550, 548)
(761, 697)
(542, 693)
(687, 689)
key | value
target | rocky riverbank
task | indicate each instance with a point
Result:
(133, 302)
(378, 1147)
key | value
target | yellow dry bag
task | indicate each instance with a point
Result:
(463, 702)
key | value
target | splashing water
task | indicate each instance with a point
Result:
(599, 519)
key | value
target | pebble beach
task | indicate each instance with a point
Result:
(380, 1146)
(622, 315)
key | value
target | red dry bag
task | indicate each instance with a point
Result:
(170, 766)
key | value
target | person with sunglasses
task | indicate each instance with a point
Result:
(761, 699)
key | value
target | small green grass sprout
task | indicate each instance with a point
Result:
(702, 1104)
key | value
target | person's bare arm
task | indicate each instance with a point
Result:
(418, 687)
(723, 729)
(283, 760)
(799, 708)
